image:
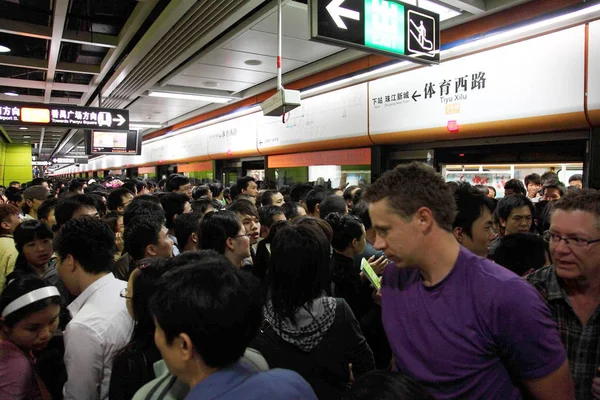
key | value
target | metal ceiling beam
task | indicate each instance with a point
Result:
(40, 99)
(78, 68)
(163, 24)
(22, 62)
(24, 83)
(133, 24)
(96, 39)
(25, 29)
(45, 33)
(58, 26)
(470, 6)
(32, 63)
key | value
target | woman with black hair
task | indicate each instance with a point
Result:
(303, 329)
(263, 250)
(351, 284)
(223, 232)
(33, 240)
(133, 366)
(30, 314)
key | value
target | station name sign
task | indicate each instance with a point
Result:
(387, 27)
(62, 115)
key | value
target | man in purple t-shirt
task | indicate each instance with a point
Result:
(457, 323)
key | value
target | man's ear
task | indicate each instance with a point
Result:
(5, 225)
(458, 234)
(229, 243)
(175, 217)
(120, 209)
(503, 222)
(194, 237)
(185, 346)
(151, 250)
(425, 218)
(70, 263)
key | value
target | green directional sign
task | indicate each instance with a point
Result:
(389, 27)
(384, 26)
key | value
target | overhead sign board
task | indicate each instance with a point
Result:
(66, 160)
(388, 27)
(61, 115)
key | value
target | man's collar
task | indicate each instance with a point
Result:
(79, 302)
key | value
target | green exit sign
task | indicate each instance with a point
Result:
(384, 26)
(388, 27)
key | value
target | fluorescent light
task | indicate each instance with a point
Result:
(144, 126)
(184, 96)
(11, 94)
(23, 128)
(4, 49)
(522, 32)
(26, 137)
(239, 113)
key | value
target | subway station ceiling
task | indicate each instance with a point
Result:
(165, 61)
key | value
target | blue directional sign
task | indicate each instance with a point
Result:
(389, 27)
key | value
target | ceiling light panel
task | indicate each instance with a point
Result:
(186, 96)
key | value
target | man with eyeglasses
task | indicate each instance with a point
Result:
(571, 286)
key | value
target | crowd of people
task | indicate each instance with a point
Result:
(408, 288)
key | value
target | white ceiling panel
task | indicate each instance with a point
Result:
(266, 44)
(294, 22)
(230, 74)
(199, 82)
(161, 110)
(236, 59)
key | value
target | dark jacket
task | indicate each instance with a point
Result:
(132, 368)
(123, 267)
(347, 284)
(325, 367)
(358, 293)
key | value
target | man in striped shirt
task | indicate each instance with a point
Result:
(571, 286)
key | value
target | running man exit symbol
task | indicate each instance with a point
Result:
(421, 33)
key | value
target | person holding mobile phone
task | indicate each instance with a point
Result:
(353, 284)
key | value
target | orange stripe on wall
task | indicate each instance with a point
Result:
(547, 123)
(594, 116)
(235, 154)
(337, 157)
(196, 167)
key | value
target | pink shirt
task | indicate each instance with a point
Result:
(17, 378)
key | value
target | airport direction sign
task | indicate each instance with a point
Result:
(387, 27)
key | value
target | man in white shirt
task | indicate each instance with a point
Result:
(101, 325)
